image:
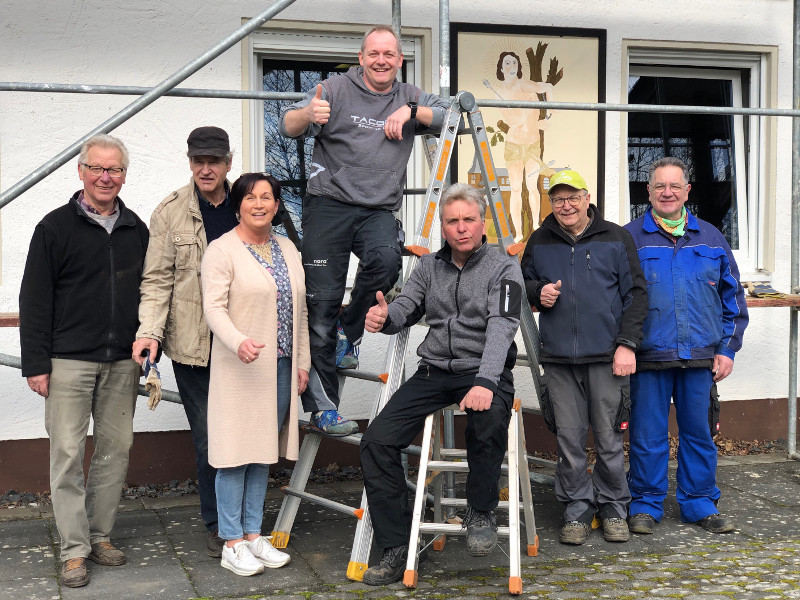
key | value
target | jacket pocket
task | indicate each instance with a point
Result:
(623, 410)
(713, 411)
(548, 413)
(187, 251)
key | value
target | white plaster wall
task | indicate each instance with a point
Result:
(122, 43)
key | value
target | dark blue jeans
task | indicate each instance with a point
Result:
(193, 388)
(331, 230)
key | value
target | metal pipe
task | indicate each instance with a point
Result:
(396, 21)
(791, 436)
(131, 90)
(7, 360)
(444, 49)
(142, 102)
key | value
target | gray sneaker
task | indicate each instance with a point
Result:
(332, 423)
(214, 545)
(574, 533)
(616, 530)
(481, 531)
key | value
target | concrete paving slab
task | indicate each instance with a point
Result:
(24, 534)
(26, 563)
(141, 523)
(133, 582)
(215, 581)
(30, 588)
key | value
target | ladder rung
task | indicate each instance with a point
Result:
(462, 503)
(446, 465)
(356, 374)
(453, 529)
(333, 505)
(353, 438)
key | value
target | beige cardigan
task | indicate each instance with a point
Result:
(239, 303)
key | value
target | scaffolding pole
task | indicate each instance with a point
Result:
(791, 436)
(142, 102)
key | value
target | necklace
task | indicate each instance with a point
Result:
(263, 250)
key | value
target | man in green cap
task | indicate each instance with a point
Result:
(583, 274)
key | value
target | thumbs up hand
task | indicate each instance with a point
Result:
(318, 110)
(550, 294)
(377, 315)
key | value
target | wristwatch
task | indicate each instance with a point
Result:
(413, 106)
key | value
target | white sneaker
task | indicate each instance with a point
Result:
(267, 554)
(240, 560)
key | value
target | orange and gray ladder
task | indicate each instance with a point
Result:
(395, 356)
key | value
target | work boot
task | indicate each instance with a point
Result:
(642, 523)
(615, 530)
(74, 573)
(214, 545)
(390, 568)
(574, 533)
(481, 531)
(717, 523)
(103, 553)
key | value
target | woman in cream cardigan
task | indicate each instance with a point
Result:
(254, 302)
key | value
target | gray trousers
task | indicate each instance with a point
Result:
(584, 395)
(107, 392)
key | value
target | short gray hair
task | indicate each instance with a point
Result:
(466, 192)
(105, 141)
(379, 29)
(668, 161)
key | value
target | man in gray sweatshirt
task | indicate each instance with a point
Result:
(364, 124)
(470, 295)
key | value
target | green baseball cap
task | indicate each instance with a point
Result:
(570, 178)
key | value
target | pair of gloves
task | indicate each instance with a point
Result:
(152, 383)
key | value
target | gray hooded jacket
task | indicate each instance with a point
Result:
(353, 161)
(473, 312)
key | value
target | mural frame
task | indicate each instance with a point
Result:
(545, 57)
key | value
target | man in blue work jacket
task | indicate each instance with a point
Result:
(696, 320)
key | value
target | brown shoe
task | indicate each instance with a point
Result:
(214, 545)
(103, 553)
(74, 573)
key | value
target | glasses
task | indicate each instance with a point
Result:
(573, 200)
(675, 188)
(113, 172)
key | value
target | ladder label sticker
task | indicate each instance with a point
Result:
(440, 172)
(426, 229)
(487, 161)
(500, 210)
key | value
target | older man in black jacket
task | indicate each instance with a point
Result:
(583, 274)
(78, 312)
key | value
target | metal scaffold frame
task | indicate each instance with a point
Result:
(168, 87)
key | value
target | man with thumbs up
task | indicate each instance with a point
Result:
(583, 274)
(363, 124)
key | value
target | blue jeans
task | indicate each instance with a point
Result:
(241, 490)
(193, 387)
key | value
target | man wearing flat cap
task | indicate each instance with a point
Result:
(171, 308)
(583, 274)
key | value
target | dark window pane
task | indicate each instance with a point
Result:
(704, 142)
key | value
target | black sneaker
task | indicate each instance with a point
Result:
(717, 523)
(481, 531)
(390, 569)
(642, 523)
(214, 545)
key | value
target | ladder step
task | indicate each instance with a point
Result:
(454, 529)
(353, 438)
(462, 503)
(356, 374)
(333, 505)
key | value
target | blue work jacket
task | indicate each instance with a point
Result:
(696, 306)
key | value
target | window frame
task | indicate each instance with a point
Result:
(697, 61)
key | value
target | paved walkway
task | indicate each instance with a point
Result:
(165, 543)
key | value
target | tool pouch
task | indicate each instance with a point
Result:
(713, 411)
(624, 410)
(547, 410)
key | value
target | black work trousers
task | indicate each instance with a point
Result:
(403, 417)
(331, 230)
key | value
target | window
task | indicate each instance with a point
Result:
(724, 153)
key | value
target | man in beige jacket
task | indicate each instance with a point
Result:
(171, 308)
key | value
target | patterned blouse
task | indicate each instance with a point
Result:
(280, 273)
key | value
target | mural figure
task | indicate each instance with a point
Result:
(522, 130)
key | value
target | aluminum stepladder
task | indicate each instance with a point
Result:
(391, 378)
(439, 461)
(462, 102)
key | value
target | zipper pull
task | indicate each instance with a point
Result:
(572, 256)
(588, 259)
